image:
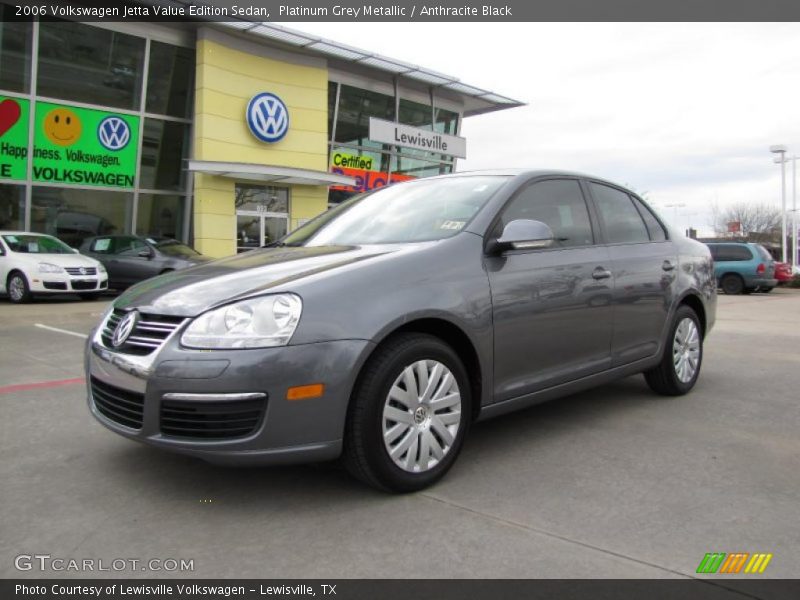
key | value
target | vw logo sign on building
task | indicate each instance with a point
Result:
(267, 117)
(124, 329)
(113, 133)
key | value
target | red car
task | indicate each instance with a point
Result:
(783, 272)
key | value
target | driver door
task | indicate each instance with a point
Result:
(551, 306)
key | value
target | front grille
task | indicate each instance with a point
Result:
(78, 271)
(121, 406)
(55, 285)
(149, 334)
(84, 285)
(211, 420)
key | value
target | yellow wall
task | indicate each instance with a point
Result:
(226, 80)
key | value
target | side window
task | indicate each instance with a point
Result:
(621, 221)
(129, 246)
(560, 204)
(733, 252)
(102, 246)
(654, 228)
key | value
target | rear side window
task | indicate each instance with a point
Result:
(560, 204)
(654, 228)
(621, 221)
(731, 252)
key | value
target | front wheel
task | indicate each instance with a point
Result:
(679, 368)
(18, 289)
(409, 414)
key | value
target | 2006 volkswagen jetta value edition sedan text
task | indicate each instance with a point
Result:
(383, 328)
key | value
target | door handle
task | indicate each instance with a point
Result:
(667, 265)
(601, 273)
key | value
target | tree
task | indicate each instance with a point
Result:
(758, 222)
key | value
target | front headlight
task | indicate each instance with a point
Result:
(257, 323)
(101, 268)
(49, 268)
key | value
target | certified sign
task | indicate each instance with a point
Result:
(267, 117)
(387, 132)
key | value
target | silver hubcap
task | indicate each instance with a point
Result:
(16, 288)
(421, 416)
(686, 350)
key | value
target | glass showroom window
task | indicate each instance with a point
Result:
(415, 114)
(164, 146)
(12, 207)
(160, 215)
(445, 121)
(15, 52)
(72, 215)
(356, 106)
(88, 64)
(416, 167)
(169, 80)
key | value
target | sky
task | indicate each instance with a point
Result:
(682, 112)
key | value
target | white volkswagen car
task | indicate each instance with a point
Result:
(34, 263)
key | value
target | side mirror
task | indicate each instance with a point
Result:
(524, 233)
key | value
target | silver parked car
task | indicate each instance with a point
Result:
(381, 330)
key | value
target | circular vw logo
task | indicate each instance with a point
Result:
(82, 270)
(113, 133)
(124, 329)
(267, 117)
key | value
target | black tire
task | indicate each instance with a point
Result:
(732, 284)
(22, 291)
(663, 379)
(365, 454)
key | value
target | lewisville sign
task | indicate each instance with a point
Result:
(387, 132)
(71, 145)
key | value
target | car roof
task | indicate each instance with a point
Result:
(527, 173)
(11, 232)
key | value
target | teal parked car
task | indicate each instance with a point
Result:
(743, 267)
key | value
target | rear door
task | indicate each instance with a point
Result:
(551, 307)
(645, 267)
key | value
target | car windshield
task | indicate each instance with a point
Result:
(418, 211)
(36, 244)
(175, 248)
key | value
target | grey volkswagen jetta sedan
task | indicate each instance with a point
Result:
(381, 330)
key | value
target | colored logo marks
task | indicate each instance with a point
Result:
(9, 114)
(62, 127)
(731, 564)
(113, 133)
(267, 117)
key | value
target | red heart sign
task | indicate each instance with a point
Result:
(9, 114)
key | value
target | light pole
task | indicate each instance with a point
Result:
(781, 150)
(676, 207)
(794, 210)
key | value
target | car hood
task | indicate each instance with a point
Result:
(61, 260)
(192, 291)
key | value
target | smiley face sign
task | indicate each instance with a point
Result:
(62, 127)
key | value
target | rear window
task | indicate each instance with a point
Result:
(763, 253)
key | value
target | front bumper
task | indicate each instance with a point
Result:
(288, 431)
(57, 283)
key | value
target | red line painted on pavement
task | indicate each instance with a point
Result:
(22, 387)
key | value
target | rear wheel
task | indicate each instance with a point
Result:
(409, 414)
(18, 289)
(732, 284)
(679, 368)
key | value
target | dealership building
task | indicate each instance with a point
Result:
(224, 135)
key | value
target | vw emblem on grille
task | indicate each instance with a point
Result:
(113, 133)
(124, 329)
(267, 117)
(83, 270)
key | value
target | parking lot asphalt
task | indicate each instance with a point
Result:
(612, 482)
